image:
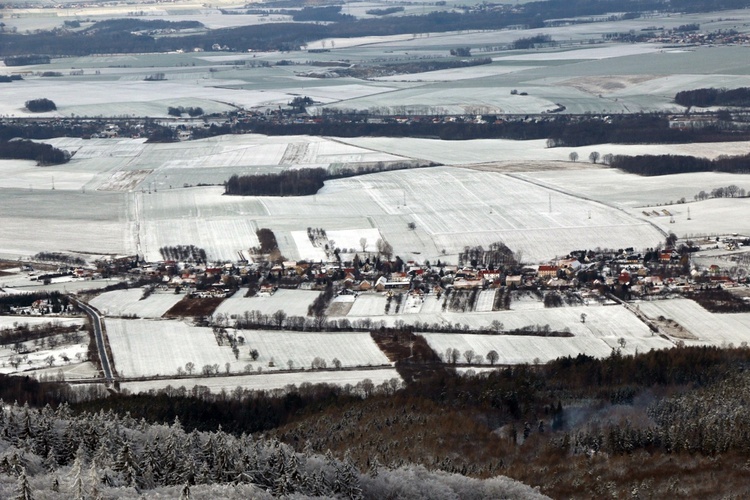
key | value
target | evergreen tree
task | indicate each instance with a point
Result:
(23, 489)
(76, 474)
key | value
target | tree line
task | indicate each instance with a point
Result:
(706, 97)
(651, 165)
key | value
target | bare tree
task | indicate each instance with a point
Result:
(384, 248)
(492, 357)
(279, 317)
(468, 356)
(496, 326)
(573, 156)
(336, 363)
(363, 243)
(594, 156)
(189, 367)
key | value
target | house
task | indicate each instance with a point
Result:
(514, 280)
(547, 271)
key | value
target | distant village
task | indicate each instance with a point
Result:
(593, 274)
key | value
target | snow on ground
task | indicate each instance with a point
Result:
(34, 220)
(514, 350)
(128, 302)
(708, 327)
(34, 359)
(494, 150)
(455, 74)
(140, 348)
(292, 302)
(450, 208)
(595, 53)
(709, 217)
(368, 305)
(352, 349)
(485, 300)
(305, 249)
(131, 98)
(69, 372)
(352, 238)
(270, 381)
(627, 190)
(12, 321)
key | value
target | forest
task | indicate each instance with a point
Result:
(666, 423)
(43, 154)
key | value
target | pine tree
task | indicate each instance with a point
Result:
(95, 481)
(76, 473)
(127, 465)
(23, 489)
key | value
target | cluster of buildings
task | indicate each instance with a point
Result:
(624, 272)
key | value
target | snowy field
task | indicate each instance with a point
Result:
(140, 348)
(709, 328)
(35, 358)
(13, 321)
(513, 350)
(504, 150)
(709, 217)
(604, 330)
(292, 302)
(267, 382)
(33, 220)
(130, 164)
(128, 302)
(633, 191)
(605, 323)
(464, 207)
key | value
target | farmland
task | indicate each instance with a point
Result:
(706, 327)
(141, 347)
(268, 381)
(130, 302)
(126, 196)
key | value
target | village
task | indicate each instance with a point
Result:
(576, 279)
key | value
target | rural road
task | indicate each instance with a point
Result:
(96, 321)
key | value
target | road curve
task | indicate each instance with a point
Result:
(96, 321)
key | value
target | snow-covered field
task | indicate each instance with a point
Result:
(292, 302)
(632, 191)
(504, 150)
(128, 302)
(605, 328)
(146, 348)
(709, 328)
(13, 321)
(514, 350)
(35, 359)
(451, 208)
(270, 381)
